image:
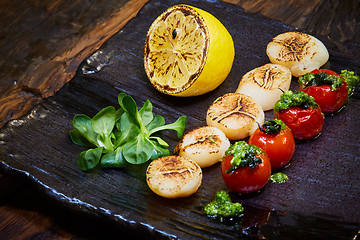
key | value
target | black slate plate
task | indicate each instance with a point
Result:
(321, 199)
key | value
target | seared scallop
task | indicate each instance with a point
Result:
(173, 176)
(236, 115)
(263, 84)
(204, 145)
(300, 52)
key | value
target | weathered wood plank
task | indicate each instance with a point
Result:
(34, 67)
(337, 20)
(43, 42)
(25, 214)
(320, 189)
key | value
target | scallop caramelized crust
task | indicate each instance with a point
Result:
(236, 115)
(263, 84)
(300, 52)
(204, 145)
(173, 176)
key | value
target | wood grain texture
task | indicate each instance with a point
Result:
(318, 200)
(43, 43)
(26, 224)
(19, 222)
(26, 213)
(337, 20)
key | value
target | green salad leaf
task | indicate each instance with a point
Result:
(120, 136)
(79, 139)
(89, 159)
(146, 113)
(113, 159)
(157, 121)
(138, 150)
(83, 128)
(103, 123)
(178, 126)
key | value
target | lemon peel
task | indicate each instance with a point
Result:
(188, 52)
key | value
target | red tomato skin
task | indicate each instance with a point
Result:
(304, 123)
(279, 147)
(329, 101)
(245, 179)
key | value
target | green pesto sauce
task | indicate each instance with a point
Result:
(273, 126)
(244, 154)
(294, 99)
(321, 78)
(279, 177)
(351, 80)
(222, 207)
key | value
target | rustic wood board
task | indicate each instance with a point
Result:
(319, 199)
(338, 21)
(42, 43)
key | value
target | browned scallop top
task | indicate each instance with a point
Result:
(294, 46)
(174, 168)
(269, 76)
(233, 108)
(199, 140)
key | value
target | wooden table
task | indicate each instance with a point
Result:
(43, 43)
(26, 213)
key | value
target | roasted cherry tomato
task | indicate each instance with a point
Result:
(245, 175)
(300, 113)
(277, 140)
(328, 88)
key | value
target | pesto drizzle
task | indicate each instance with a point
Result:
(223, 208)
(294, 99)
(244, 155)
(273, 126)
(279, 177)
(351, 80)
(321, 78)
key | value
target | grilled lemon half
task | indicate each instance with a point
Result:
(188, 52)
